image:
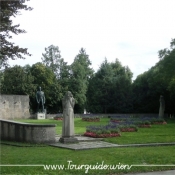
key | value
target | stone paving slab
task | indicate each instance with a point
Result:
(85, 145)
(90, 143)
(82, 138)
(147, 144)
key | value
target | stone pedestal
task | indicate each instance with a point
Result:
(41, 115)
(68, 140)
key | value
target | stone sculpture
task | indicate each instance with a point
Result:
(68, 103)
(162, 107)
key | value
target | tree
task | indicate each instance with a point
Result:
(52, 58)
(17, 80)
(140, 94)
(159, 80)
(44, 77)
(80, 73)
(25, 81)
(165, 52)
(8, 49)
(110, 89)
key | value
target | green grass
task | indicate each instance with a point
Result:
(157, 133)
(161, 155)
(110, 156)
(80, 126)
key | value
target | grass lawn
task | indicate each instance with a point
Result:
(157, 133)
(46, 155)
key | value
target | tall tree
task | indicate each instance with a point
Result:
(44, 77)
(80, 74)
(8, 49)
(52, 58)
(158, 80)
(110, 89)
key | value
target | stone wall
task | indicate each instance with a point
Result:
(14, 106)
(118, 114)
(51, 116)
(25, 132)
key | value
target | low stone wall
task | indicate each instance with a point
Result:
(121, 115)
(48, 116)
(14, 106)
(25, 132)
(51, 116)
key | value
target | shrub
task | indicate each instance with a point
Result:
(147, 123)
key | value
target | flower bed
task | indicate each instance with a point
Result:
(90, 119)
(126, 122)
(101, 131)
(144, 124)
(128, 129)
(159, 123)
(95, 135)
(58, 118)
(115, 120)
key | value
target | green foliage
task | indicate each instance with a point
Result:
(98, 132)
(79, 79)
(8, 49)
(110, 89)
(159, 80)
(25, 81)
(147, 123)
(44, 77)
(18, 80)
(52, 58)
(116, 130)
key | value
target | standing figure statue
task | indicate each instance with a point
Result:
(40, 98)
(162, 107)
(68, 103)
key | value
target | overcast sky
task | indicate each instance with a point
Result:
(131, 30)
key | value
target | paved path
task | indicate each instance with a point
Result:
(84, 143)
(170, 172)
(90, 143)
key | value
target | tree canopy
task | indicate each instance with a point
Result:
(8, 49)
(52, 58)
(158, 80)
(109, 90)
(80, 74)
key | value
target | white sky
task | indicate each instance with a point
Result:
(131, 30)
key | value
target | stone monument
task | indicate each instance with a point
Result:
(68, 103)
(162, 107)
(40, 98)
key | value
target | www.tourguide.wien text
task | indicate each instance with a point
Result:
(87, 167)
